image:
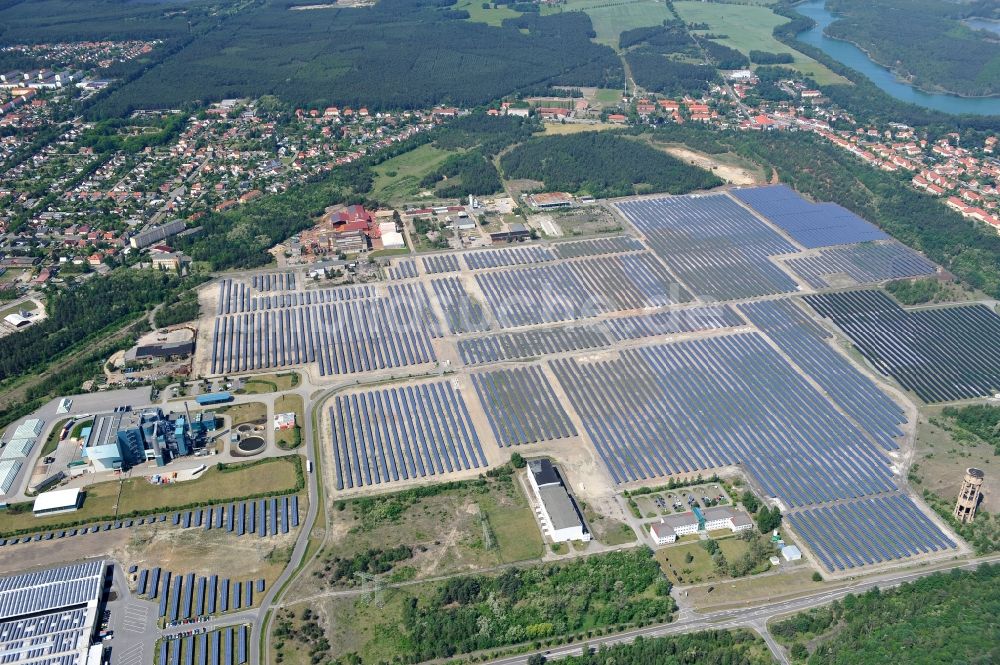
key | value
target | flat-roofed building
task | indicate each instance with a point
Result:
(560, 517)
(57, 501)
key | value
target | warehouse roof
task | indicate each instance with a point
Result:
(559, 506)
(68, 499)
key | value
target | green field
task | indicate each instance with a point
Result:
(751, 28)
(103, 501)
(611, 19)
(269, 383)
(399, 178)
(493, 16)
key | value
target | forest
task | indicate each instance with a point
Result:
(652, 52)
(713, 647)
(604, 165)
(522, 604)
(982, 420)
(81, 313)
(923, 40)
(394, 54)
(942, 618)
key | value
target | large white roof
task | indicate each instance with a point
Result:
(56, 499)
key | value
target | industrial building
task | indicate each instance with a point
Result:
(561, 519)
(672, 527)
(123, 439)
(549, 200)
(48, 617)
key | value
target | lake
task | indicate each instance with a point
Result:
(856, 59)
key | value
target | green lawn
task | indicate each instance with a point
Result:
(52, 442)
(273, 475)
(252, 412)
(514, 526)
(610, 20)
(751, 28)
(608, 96)
(270, 383)
(290, 438)
(399, 178)
(27, 305)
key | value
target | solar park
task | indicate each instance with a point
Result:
(225, 646)
(627, 336)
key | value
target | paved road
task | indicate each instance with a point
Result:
(754, 618)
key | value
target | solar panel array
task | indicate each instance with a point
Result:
(47, 639)
(803, 340)
(51, 589)
(597, 247)
(441, 263)
(532, 343)
(868, 531)
(521, 406)
(394, 434)
(282, 281)
(237, 518)
(941, 354)
(701, 404)
(225, 646)
(579, 289)
(344, 337)
(181, 597)
(9, 469)
(689, 319)
(718, 248)
(810, 224)
(866, 263)
(509, 256)
(462, 314)
(540, 294)
(402, 269)
(235, 297)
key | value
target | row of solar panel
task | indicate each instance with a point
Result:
(509, 256)
(440, 263)
(241, 518)
(236, 297)
(393, 434)
(281, 281)
(187, 596)
(597, 247)
(941, 354)
(263, 517)
(521, 406)
(402, 269)
(227, 646)
(343, 337)
(701, 404)
(869, 531)
(804, 341)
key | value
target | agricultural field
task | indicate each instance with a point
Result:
(751, 28)
(495, 15)
(612, 19)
